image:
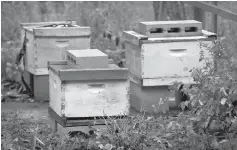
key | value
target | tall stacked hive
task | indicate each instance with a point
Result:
(161, 53)
(87, 86)
(48, 41)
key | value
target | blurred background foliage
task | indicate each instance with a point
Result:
(101, 16)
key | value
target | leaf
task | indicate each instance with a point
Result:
(200, 102)
(195, 118)
(108, 147)
(200, 59)
(223, 101)
(149, 118)
(182, 105)
(214, 144)
(136, 125)
(186, 103)
(120, 148)
(101, 146)
(157, 139)
(170, 124)
(190, 131)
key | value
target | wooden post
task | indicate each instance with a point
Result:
(214, 9)
(54, 125)
(199, 15)
(76, 4)
(33, 142)
(214, 20)
(160, 10)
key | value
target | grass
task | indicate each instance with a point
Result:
(135, 133)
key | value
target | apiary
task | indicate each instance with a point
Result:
(78, 95)
(160, 53)
(48, 41)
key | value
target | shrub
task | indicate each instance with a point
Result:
(213, 102)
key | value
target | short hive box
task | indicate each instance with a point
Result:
(48, 41)
(83, 59)
(77, 96)
(161, 53)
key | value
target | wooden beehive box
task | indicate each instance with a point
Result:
(48, 41)
(161, 53)
(82, 59)
(94, 92)
(162, 58)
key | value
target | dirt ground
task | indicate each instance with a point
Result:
(39, 112)
(27, 110)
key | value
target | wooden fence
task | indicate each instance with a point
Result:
(200, 9)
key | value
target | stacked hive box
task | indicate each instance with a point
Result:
(48, 41)
(161, 53)
(94, 59)
(87, 86)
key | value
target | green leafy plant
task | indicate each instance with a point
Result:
(213, 99)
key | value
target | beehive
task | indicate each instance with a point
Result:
(48, 41)
(88, 92)
(161, 53)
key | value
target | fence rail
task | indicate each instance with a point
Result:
(201, 7)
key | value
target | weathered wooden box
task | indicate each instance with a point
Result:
(92, 58)
(162, 60)
(156, 60)
(49, 43)
(146, 97)
(149, 98)
(39, 84)
(87, 93)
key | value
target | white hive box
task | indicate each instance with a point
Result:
(162, 60)
(48, 42)
(156, 59)
(85, 93)
(82, 59)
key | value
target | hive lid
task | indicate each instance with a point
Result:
(180, 28)
(113, 72)
(139, 39)
(88, 58)
(87, 53)
(56, 29)
(41, 24)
